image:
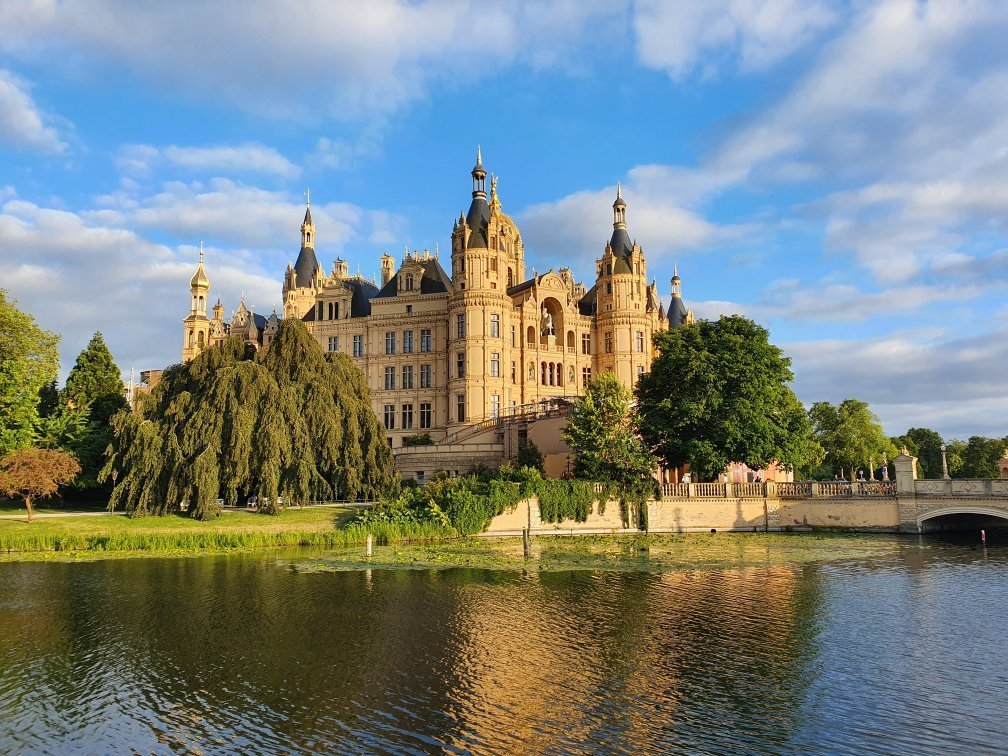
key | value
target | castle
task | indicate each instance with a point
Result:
(470, 357)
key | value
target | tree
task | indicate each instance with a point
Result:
(95, 382)
(851, 435)
(29, 359)
(602, 434)
(530, 456)
(718, 393)
(925, 444)
(290, 422)
(976, 458)
(95, 391)
(31, 474)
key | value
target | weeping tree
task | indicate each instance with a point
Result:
(289, 423)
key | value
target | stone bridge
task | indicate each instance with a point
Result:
(905, 505)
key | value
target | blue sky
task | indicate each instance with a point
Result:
(837, 171)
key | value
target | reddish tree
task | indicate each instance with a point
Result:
(31, 473)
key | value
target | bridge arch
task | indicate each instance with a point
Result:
(964, 516)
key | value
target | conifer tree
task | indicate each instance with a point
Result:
(289, 425)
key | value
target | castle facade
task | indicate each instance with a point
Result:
(453, 354)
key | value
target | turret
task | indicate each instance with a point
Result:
(387, 268)
(199, 286)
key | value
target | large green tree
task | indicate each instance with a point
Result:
(851, 434)
(29, 359)
(976, 458)
(290, 421)
(602, 435)
(93, 394)
(718, 393)
(925, 444)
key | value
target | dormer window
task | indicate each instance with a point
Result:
(408, 285)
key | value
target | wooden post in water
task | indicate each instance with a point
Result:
(367, 547)
(525, 541)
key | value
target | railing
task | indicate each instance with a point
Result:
(709, 489)
(798, 490)
(749, 490)
(784, 490)
(832, 488)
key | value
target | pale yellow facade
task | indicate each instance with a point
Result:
(453, 350)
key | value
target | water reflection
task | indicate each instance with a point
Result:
(241, 653)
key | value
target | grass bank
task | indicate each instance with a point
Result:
(105, 536)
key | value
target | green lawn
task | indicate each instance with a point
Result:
(117, 535)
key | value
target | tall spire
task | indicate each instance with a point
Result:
(201, 251)
(479, 175)
(619, 208)
(307, 227)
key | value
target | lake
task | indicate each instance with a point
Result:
(898, 649)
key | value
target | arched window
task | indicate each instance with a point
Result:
(559, 375)
(192, 339)
(409, 282)
(530, 339)
(201, 340)
(543, 377)
(510, 278)
(570, 340)
(201, 304)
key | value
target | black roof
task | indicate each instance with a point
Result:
(433, 281)
(676, 312)
(587, 303)
(523, 286)
(305, 267)
(360, 299)
(477, 219)
(620, 243)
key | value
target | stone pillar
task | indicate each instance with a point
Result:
(906, 491)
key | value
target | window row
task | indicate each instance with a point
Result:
(426, 341)
(424, 416)
(426, 380)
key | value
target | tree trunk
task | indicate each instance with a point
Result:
(27, 502)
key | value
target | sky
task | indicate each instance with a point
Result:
(837, 171)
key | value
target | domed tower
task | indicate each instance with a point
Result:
(488, 257)
(304, 278)
(678, 313)
(196, 324)
(627, 305)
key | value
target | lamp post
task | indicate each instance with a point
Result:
(115, 476)
(945, 474)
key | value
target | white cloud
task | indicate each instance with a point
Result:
(21, 122)
(683, 36)
(335, 59)
(234, 159)
(952, 385)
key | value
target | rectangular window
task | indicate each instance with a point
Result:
(460, 325)
(460, 365)
(585, 343)
(460, 407)
(334, 343)
(409, 309)
(513, 336)
(494, 365)
(425, 415)
(358, 346)
(585, 376)
(425, 376)
(608, 342)
(494, 406)
(639, 341)
(514, 372)
(389, 378)
(407, 376)
(640, 371)
(608, 288)
(494, 325)
(389, 342)
(425, 339)
(407, 342)
(320, 311)
(407, 417)
(389, 418)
